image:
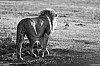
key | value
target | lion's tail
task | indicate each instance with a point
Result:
(19, 33)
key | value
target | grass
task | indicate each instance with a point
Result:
(72, 12)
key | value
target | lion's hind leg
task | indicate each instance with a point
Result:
(19, 43)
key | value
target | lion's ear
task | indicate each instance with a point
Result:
(42, 13)
(45, 12)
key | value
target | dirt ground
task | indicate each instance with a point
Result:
(58, 57)
(75, 41)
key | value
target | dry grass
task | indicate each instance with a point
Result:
(72, 12)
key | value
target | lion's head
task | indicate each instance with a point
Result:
(52, 16)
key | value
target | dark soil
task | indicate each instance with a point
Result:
(58, 57)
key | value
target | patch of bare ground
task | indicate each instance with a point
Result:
(57, 57)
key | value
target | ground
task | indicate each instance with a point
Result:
(76, 44)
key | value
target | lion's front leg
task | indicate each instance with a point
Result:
(46, 36)
(31, 49)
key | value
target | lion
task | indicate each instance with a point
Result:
(37, 30)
